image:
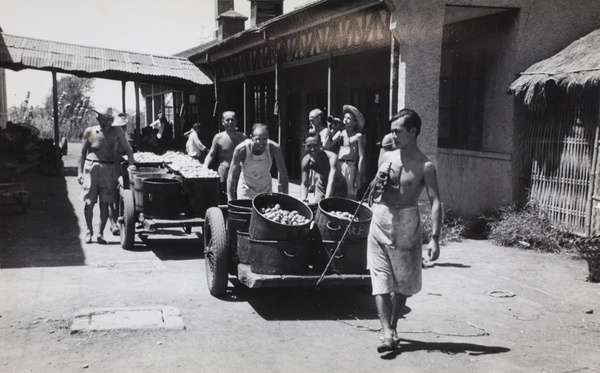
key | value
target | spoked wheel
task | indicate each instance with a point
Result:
(215, 251)
(127, 219)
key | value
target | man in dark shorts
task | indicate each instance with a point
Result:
(99, 168)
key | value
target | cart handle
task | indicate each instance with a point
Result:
(333, 228)
(290, 255)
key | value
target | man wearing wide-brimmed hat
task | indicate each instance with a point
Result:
(352, 149)
(99, 166)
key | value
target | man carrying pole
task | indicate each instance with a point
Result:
(394, 248)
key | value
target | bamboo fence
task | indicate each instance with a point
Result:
(559, 144)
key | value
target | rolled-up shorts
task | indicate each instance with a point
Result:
(100, 180)
(394, 250)
(349, 171)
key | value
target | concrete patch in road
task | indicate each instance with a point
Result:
(127, 318)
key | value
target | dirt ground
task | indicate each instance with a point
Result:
(483, 308)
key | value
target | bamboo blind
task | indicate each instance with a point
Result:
(559, 143)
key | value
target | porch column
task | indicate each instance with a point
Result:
(123, 99)
(329, 73)
(138, 136)
(56, 123)
(417, 28)
(245, 103)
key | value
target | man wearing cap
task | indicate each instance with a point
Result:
(387, 144)
(352, 149)
(99, 167)
(222, 148)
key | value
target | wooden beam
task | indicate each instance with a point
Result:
(589, 210)
(56, 123)
(123, 91)
(138, 136)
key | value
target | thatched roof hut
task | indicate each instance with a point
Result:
(576, 66)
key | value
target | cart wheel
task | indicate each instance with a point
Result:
(215, 251)
(127, 219)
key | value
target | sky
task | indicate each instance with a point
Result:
(161, 27)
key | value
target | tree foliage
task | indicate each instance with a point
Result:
(73, 103)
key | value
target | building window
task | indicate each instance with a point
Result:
(461, 96)
(473, 59)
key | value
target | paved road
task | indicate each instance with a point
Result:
(483, 308)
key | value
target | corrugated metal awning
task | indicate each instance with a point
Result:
(17, 53)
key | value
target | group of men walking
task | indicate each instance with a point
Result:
(334, 163)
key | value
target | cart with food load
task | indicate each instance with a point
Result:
(164, 191)
(276, 240)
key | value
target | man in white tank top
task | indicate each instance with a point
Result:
(250, 171)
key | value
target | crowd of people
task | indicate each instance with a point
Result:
(334, 165)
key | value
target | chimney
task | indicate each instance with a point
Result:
(263, 10)
(230, 23)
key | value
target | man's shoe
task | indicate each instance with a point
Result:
(101, 239)
(88, 237)
(387, 345)
(115, 231)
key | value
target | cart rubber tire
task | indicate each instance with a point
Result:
(215, 252)
(127, 224)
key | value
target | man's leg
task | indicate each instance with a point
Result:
(385, 310)
(112, 218)
(88, 212)
(103, 220)
(398, 303)
(383, 302)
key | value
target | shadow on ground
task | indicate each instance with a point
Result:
(450, 348)
(172, 245)
(306, 303)
(48, 234)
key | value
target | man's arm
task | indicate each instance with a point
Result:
(84, 150)
(360, 141)
(212, 153)
(283, 176)
(333, 169)
(305, 178)
(197, 142)
(128, 150)
(239, 155)
(431, 184)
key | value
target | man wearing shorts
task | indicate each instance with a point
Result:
(99, 168)
(394, 248)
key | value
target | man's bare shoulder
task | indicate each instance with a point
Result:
(389, 155)
(240, 136)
